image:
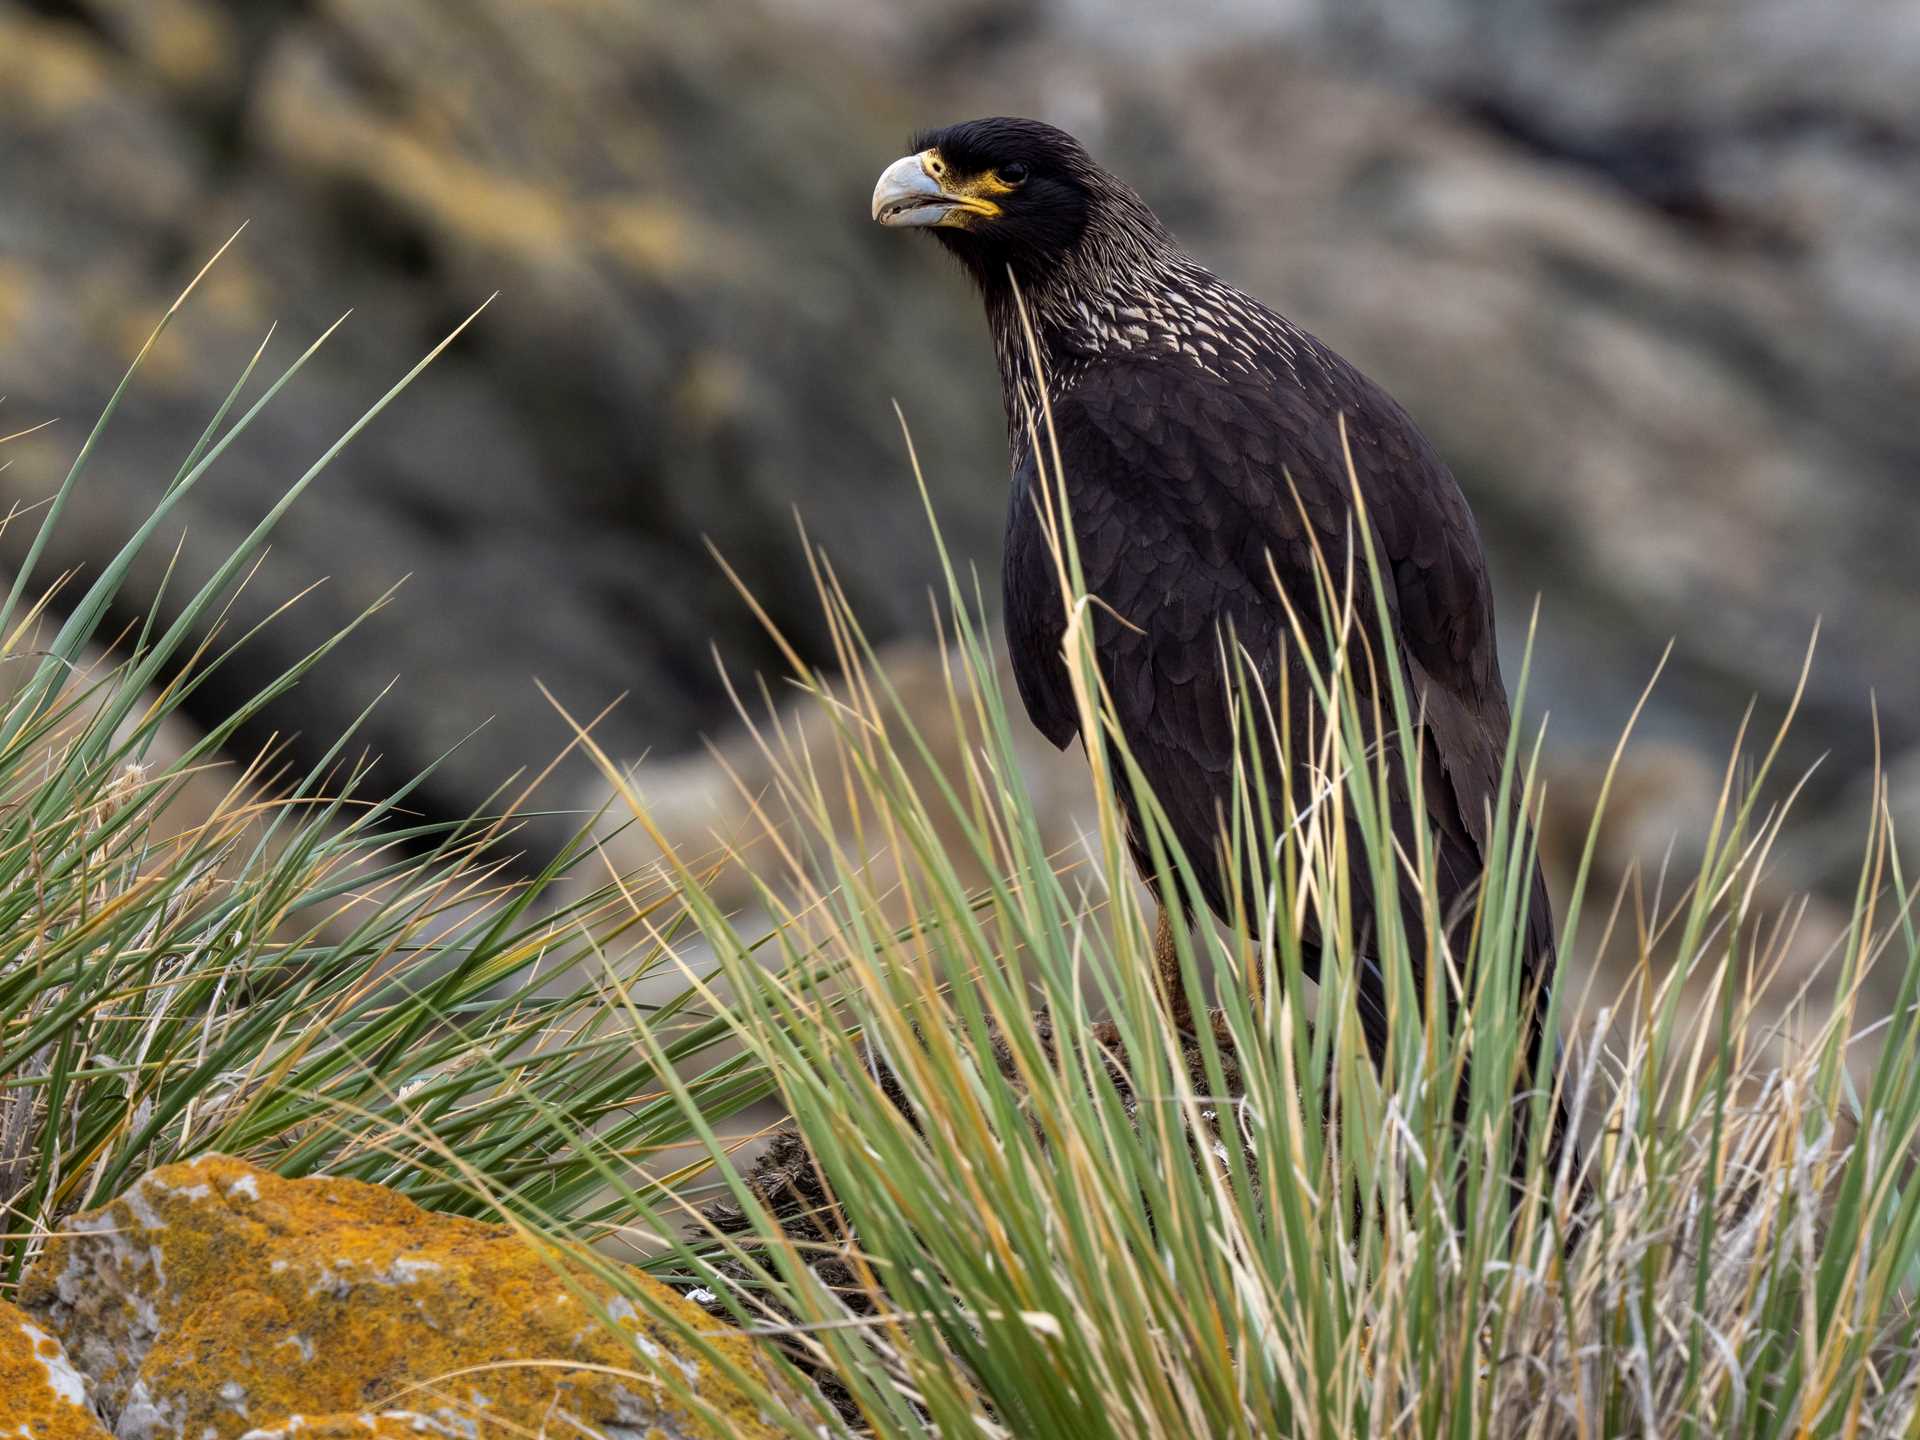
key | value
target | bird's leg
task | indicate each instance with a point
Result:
(1166, 964)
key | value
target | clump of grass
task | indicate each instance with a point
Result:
(1026, 1205)
(297, 970)
(1034, 1207)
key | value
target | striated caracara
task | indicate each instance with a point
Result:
(1199, 436)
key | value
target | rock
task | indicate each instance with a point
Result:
(359, 1425)
(697, 328)
(1772, 157)
(213, 1300)
(42, 1397)
(1640, 270)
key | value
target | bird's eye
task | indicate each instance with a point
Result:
(1013, 172)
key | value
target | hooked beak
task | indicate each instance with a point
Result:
(907, 195)
(910, 193)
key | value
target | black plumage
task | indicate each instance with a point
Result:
(1200, 441)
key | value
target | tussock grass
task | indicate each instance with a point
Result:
(1024, 1204)
(1015, 1201)
(291, 967)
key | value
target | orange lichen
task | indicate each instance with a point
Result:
(356, 1425)
(42, 1397)
(213, 1300)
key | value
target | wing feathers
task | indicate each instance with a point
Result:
(1183, 488)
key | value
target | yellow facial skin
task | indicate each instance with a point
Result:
(923, 190)
(973, 196)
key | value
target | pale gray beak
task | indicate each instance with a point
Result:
(908, 195)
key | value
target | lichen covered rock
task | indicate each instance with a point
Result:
(214, 1301)
(367, 1425)
(42, 1397)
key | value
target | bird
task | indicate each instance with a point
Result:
(1202, 442)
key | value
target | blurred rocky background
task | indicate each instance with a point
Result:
(1649, 274)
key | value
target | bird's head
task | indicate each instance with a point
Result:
(1015, 195)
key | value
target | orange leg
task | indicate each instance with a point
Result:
(1166, 964)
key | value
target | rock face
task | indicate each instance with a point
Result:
(696, 328)
(42, 1397)
(1642, 271)
(213, 1301)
